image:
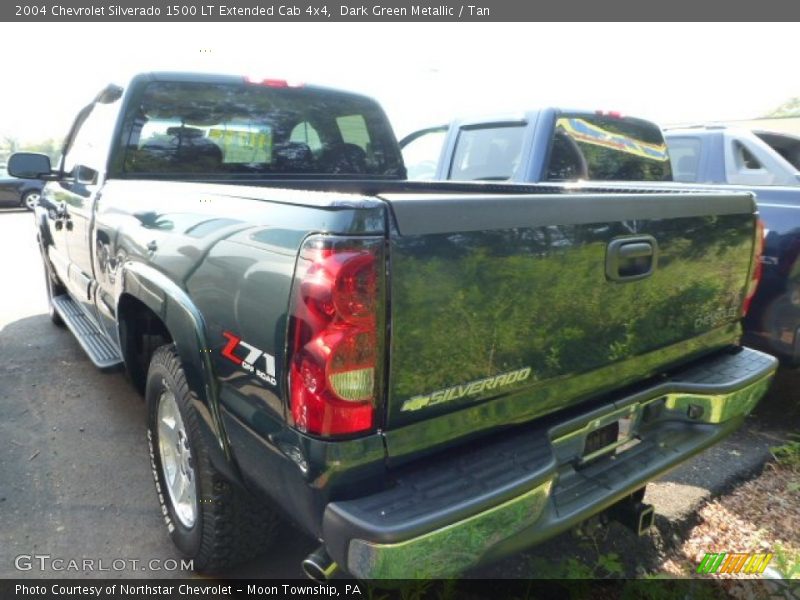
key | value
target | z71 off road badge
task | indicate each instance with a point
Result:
(266, 369)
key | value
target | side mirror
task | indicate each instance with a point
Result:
(29, 165)
(85, 175)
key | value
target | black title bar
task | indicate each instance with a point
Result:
(401, 11)
(344, 589)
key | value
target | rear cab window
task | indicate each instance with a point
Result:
(193, 129)
(601, 147)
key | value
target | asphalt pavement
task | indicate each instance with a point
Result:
(76, 485)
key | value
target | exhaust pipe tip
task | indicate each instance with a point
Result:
(319, 566)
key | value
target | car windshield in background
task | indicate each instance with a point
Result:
(607, 148)
(487, 153)
(205, 129)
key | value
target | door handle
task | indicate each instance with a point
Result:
(635, 250)
(61, 217)
(631, 258)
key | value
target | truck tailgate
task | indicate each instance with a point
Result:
(508, 307)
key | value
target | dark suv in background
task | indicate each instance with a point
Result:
(18, 192)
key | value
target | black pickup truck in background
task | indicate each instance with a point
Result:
(766, 164)
(544, 145)
(422, 375)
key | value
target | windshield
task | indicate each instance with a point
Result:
(200, 129)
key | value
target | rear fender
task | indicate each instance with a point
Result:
(186, 326)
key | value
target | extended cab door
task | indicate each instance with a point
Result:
(76, 193)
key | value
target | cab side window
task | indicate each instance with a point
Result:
(487, 153)
(744, 158)
(745, 165)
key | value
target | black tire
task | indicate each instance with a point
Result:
(54, 288)
(25, 201)
(229, 527)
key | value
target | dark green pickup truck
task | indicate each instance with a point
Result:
(423, 376)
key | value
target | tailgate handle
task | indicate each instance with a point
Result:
(635, 250)
(631, 258)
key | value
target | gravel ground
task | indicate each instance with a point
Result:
(75, 480)
(760, 517)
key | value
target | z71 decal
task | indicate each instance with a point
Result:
(265, 370)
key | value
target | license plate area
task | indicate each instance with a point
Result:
(602, 438)
(612, 438)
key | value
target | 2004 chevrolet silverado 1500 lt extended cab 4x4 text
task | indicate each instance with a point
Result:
(423, 376)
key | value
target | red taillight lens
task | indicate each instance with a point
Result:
(756, 268)
(336, 350)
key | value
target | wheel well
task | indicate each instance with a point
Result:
(141, 331)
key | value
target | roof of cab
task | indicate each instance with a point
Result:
(230, 79)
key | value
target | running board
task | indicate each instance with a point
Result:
(100, 351)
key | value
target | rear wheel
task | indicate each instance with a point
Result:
(211, 521)
(30, 199)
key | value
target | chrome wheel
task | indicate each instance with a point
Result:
(176, 459)
(30, 200)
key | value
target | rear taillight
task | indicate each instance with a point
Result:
(336, 346)
(756, 268)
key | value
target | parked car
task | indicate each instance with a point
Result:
(549, 144)
(18, 192)
(422, 375)
(766, 164)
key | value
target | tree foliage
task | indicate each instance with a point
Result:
(10, 144)
(790, 108)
